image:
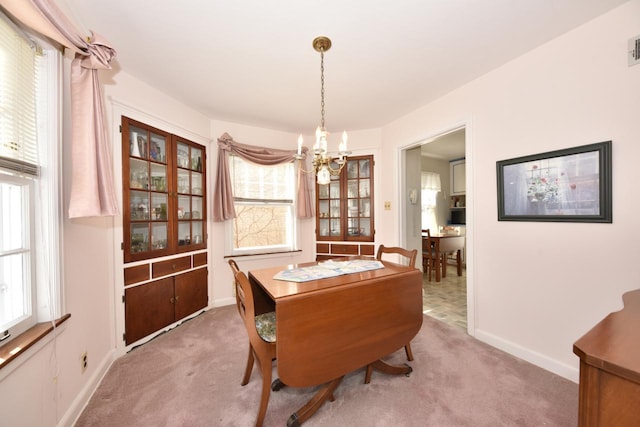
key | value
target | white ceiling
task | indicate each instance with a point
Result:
(252, 61)
(446, 147)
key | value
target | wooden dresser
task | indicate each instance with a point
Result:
(610, 368)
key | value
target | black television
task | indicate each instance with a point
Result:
(458, 216)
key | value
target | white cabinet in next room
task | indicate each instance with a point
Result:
(458, 176)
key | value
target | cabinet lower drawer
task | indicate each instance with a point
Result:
(344, 249)
(163, 268)
(326, 251)
(136, 274)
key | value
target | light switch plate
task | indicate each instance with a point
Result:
(634, 51)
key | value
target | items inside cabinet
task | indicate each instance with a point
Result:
(344, 206)
(164, 194)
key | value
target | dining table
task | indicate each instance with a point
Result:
(329, 327)
(443, 244)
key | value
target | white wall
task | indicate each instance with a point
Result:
(538, 287)
(413, 216)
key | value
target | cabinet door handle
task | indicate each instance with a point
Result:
(177, 298)
(172, 300)
(173, 266)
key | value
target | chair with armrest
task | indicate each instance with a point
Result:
(429, 259)
(262, 337)
(410, 257)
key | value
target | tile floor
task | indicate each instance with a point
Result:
(446, 300)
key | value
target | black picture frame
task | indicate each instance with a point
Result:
(569, 185)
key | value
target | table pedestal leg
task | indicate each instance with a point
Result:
(384, 367)
(325, 393)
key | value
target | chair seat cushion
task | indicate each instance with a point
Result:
(266, 326)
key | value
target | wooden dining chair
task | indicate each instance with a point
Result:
(429, 259)
(406, 255)
(240, 297)
(410, 257)
(262, 338)
(453, 244)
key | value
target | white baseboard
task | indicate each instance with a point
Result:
(571, 373)
(77, 406)
(224, 301)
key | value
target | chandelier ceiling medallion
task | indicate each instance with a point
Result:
(323, 165)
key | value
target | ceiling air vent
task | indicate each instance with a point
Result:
(634, 51)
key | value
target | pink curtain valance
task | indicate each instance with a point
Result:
(92, 186)
(223, 208)
(259, 155)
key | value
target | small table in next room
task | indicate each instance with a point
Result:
(444, 244)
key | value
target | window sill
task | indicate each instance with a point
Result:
(26, 340)
(263, 253)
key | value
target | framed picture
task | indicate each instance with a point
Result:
(570, 185)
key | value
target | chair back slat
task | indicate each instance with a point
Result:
(408, 255)
(427, 243)
(249, 314)
(240, 295)
(429, 261)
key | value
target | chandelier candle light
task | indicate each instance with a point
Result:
(321, 159)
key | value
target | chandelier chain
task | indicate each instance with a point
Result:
(322, 89)
(324, 165)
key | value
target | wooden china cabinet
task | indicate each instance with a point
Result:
(164, 215)
(344, 211)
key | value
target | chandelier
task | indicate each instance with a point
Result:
(322, 162)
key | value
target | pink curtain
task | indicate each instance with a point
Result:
(223, 208)
(92, 187)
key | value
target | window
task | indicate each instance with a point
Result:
(430, 189)
(15, 252)
(29, 182)
(265, 210)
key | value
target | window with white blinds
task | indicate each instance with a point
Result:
(19, 65)
(30, 206)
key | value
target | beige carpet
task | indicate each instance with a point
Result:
(191, 376)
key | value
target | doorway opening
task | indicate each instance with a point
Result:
(438, 168)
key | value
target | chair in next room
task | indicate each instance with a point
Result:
(430, 260)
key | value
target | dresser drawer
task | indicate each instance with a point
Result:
(136, 274)
(163, 268)
(344, 249)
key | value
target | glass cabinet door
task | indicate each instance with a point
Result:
(190, 207)
(147, 191)
(163, 192)
(359, 198)
(344, 206)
